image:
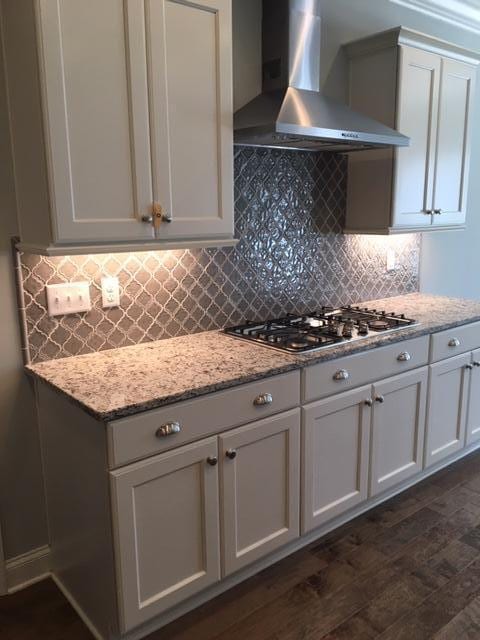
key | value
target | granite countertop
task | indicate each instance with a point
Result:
(120, 382)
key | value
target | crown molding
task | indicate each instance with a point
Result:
(464, 14)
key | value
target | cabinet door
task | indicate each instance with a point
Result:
(260, 488)
(166, 527)
(473, 419)
(453, 142)
(190, 45)
(336, 435)
(95, 95)
(417, 109)
(398, 429)
(447, 408)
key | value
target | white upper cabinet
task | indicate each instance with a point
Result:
(128, 137)
(424, 186)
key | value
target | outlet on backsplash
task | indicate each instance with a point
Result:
(110, 293)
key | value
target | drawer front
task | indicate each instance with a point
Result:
(335, 376)
(455, 341)
(158, 430)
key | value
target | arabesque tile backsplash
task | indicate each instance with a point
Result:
(291, 257)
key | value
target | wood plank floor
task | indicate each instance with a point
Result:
(409, 570)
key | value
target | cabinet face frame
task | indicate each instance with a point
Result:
(288, 426)
(133, 610)
(458, 363)
(357, 399)
(418, 379)
(66, 226)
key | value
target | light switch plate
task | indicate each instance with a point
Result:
(110, 293)
(71, 297)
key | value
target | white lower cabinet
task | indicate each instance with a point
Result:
(166, 523)
(473, 420)
(447, 408)
(260, 480)
(336, 434)
(398, 427)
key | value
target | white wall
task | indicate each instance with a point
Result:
(450, 263)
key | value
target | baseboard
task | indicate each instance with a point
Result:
(27, 569)
(85, 619)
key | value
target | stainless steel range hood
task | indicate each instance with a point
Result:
(291, 113)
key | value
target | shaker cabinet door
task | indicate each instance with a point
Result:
(417, 109)
(165, 512)
(260, 475)
(447, 408)
(336, 436)
(190, 77)
(453, 143)
(473, 420)
(93, 63)
(398, 429)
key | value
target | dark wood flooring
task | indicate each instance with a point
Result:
(409, 570)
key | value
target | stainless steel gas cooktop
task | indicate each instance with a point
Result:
(320, 329)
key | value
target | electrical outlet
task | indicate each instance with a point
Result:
(71, 297)
(110, 293)
(391, 260)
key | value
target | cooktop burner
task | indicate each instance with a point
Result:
(320, 329)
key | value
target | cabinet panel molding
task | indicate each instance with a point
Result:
(335, 454)
(260, 473)
(166, 528)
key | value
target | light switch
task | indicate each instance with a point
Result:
(110, 293)
(71, 297)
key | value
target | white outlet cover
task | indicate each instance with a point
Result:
(110, 293)
(391, 260)
(71, 297)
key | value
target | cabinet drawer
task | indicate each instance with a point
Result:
(454, 341)
(334, 376)
(136, 437)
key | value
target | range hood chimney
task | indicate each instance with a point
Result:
(291, 112)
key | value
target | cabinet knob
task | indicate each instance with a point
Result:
(454, 342)
(212, 461)
(263, 399)
(168, 429)
(469, 367)
(428, 212)
(158, 216)
(231, 454)
(369, 402)
(437, 212)
(380, 399)
(342, 374)
(404, 357)
(476, 364)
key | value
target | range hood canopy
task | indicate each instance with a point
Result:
(291, 113)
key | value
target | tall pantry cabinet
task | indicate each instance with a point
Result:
(122, 135)
(425, 88)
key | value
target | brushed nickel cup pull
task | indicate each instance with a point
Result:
(454, 342)
(380, 399)
(168, 429)
(263, 399)
(404, 357)
(342, 374)
(231, 454)
(369, 402)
